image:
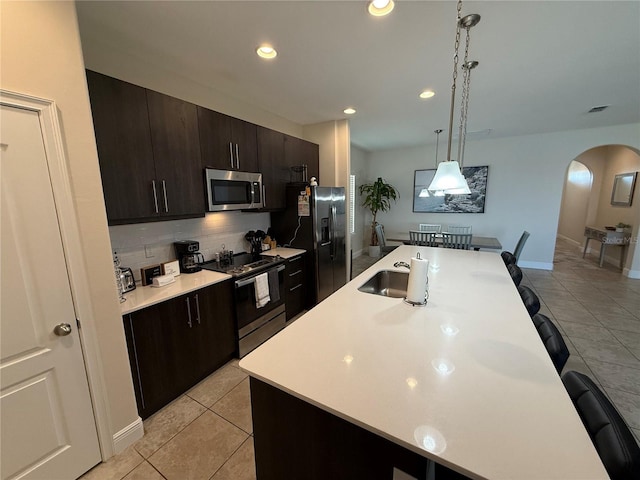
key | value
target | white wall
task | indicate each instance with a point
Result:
(41, 56)
(575, 202)
(524, 191)
(359, 169)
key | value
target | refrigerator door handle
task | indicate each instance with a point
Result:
(332, 235)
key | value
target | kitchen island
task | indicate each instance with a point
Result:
(362, 384)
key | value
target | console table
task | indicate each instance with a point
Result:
(607, 238)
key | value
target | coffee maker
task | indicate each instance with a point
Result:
(188, 256)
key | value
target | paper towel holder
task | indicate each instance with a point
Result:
(426, 293)
(418, 304)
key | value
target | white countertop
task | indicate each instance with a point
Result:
(284, 252)
(146, 296)
(501, 412)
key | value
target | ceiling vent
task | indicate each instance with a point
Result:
(598, 109)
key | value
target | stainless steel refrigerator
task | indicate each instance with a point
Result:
(318, 225)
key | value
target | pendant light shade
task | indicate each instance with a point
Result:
(449, 178)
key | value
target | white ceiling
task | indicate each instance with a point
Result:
(543, 64)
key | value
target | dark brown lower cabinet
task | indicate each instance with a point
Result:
(296, 285)
(294, 439)
(175, 344)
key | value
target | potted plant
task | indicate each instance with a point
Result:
(621, 227)
(377, 198)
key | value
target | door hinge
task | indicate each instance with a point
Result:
(78, 323)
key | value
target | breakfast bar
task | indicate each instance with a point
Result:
(365, 386)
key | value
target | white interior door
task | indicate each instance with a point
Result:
(47, 424)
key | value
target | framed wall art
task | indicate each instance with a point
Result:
(470, 203)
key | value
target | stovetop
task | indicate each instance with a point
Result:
(243, 264)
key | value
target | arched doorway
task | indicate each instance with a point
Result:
(586, 201)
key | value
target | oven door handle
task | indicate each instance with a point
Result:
(243, 283)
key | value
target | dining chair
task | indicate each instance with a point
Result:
(382, 241)
(610, 435)
(423, 239)
(552, 339)
(513, 257)
(530, 300)
(515, 273)
(459, 241)
(459, 229)
(430, 227)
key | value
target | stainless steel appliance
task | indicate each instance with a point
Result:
(232, 190)
(189, 257)
(127, 281)
(255, 324)
(320, 228)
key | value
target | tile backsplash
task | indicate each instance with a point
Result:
(143, 244)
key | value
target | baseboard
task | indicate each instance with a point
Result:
(536, 265)
(570, 240)
(357, 253)
(128, 436)
(631, 273)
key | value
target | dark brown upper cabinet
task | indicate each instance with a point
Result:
(123, 137)
(148, 148)
(176, 151)
(275, 171)
(227, 143)
(298, 152)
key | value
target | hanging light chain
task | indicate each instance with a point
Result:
(464, 99)
(437, 132)
(455, 76)
(468, 66)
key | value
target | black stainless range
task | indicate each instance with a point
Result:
(256, 324)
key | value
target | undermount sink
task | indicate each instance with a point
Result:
(387, 283)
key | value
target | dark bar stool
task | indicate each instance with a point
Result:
(530, 300)
(609, 433)
(552, 339)
(508, 258)
(515, 272)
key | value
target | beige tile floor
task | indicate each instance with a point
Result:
(207, 432)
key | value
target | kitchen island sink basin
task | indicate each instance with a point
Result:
(388, 283)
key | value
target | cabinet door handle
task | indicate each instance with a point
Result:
(231, 154)
(155, 195)
(295, 288)
(237, 158)
(197, 308)
(164, 190)
(295, 273)
(189, 312)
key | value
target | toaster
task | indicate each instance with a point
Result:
(128, 282)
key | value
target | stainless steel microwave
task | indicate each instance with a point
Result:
(232, 190)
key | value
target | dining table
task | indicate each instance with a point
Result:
(368, 386)
(477, 241)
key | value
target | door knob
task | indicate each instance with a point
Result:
(62, 329)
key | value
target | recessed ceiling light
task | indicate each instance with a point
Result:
(380, 8)
(427, 94)
(266, 51)
(349, 111)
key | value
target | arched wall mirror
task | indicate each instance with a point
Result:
(623, 185)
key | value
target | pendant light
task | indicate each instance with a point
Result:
(448, 177)
(424, 193)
